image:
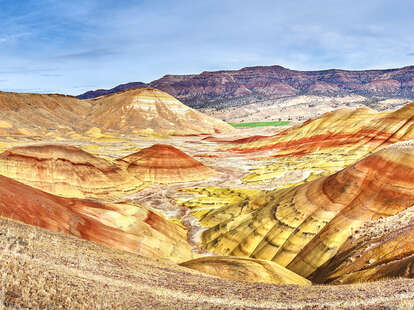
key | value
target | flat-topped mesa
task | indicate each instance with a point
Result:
(138, 110)
(303, 227)
(66, 171)
(245, 269)
(162, 163)
(120, 226)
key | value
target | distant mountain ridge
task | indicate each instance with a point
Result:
(252, 84)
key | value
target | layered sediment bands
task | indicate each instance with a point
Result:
(163, 163)
(137, 111)
(303, 227)
(379, 249)
(124, 227)
(245, 269)
(354, 130)
(66, 170)
(142, 109)
(322, 146)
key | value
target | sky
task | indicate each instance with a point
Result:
(60, 46)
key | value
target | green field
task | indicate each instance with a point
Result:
(260, 124)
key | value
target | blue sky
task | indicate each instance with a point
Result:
(73, 46)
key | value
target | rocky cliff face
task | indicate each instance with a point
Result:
(258, 83)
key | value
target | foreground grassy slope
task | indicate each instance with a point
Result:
(40, 269)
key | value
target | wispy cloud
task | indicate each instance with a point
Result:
(63, 44)
(88, 54)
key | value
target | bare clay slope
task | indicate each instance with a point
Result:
(130, 112)
(66, 170)
(152, 109)
(120, 226)
(36, 114)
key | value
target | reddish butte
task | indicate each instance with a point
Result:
(163, 163)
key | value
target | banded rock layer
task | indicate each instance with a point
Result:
(66, 170)
(303, 227)
(379, 249)
(353, 130)
(137, 111)
(151, 109)
(119, 226)
(163, 163)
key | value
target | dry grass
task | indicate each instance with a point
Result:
(45, 270)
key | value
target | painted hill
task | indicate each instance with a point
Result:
(325, 144)
(379, 249)
(247, 85)
(130, 112)
(163, 163)
(120, 226)
(150, 109)
(304, 227)
(65, 170)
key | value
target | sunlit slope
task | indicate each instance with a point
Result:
(346, 128)
(120, 226)
(304, 226)
(326, 144)
(245, 269)
(40, 115)
(383, 249)
(138, 110)
(67, 171)
(163, 163)
(379, 249)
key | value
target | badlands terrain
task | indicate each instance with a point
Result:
(135, 200)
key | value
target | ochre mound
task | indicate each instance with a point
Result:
(142, 109)
(163, 163)
(37, 114)
(124, 227)
(65, 170)
(131, 112)
(303, 227)
(245, 269)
